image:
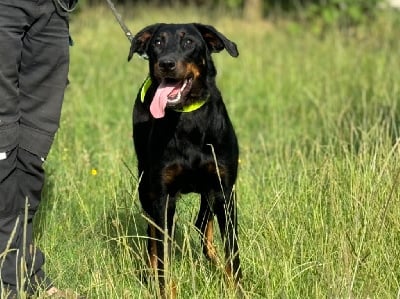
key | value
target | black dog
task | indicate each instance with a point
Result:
(183, 137)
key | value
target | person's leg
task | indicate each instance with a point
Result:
(13, 19)
(33, 76)
(9, 224)
(43, 79)
(30, 176)
(15, 233)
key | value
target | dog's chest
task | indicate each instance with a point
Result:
(189, 164)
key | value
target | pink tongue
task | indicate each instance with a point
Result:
(157, 106)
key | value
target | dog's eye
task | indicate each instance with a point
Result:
(188, 43)
(158, 43)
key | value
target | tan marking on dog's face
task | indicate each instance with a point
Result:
(192, 69)
(183, 70)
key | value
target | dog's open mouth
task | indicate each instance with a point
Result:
(169, 93)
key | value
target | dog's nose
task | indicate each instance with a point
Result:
(167, 64)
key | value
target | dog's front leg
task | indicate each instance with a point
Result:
(225, 209)
(205, 225)
(159, 249)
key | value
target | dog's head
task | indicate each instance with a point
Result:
(180, 60)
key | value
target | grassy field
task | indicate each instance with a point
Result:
(318, 120)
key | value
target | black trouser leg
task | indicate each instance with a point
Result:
(21, 265)
(34, 60)
(9, 220)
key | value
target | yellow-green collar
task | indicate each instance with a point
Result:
(188, 108)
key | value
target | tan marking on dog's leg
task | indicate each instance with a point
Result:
(228, 271)
(234, 283)
(209, 240)
(153, 248)
(172, 290)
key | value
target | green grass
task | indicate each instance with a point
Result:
(318, 121)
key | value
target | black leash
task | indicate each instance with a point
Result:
(128, 33)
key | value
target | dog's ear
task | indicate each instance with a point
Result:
(216, 41)
(141, 41)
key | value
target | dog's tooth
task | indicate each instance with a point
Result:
(184, 85)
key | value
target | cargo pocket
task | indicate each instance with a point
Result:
(9, 135)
